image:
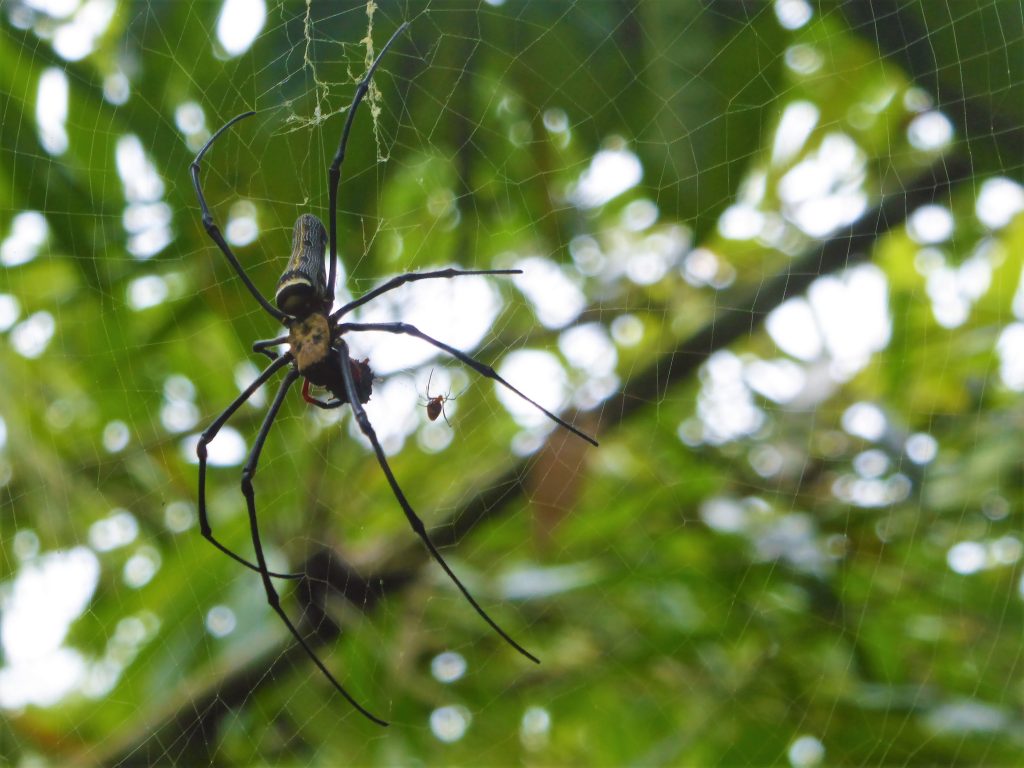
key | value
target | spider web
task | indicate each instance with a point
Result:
(771, 258)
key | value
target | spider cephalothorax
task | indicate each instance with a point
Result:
(318, 354)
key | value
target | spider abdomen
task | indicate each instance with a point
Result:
(363, 377)
(434, 407)
(302, 288)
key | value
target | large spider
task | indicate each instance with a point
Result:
(317, 352)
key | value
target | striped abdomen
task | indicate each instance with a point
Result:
(303, 286)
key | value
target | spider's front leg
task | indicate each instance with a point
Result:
(334, 171)
(214, 231)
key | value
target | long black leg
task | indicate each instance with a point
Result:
(206, 438)
(214, 231)
(334, 173)
(411, 277)
(328, 406)
(476, 365)
(250, 500)
(264, 347)
(411, 516)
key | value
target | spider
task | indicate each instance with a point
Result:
(318, 353)
(435, 405)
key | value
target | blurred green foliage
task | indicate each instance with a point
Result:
(693, 601)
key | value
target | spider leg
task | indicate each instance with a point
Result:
(481, 368)
(214, 231)
(248, 472)
(264, 347)
(330, 405)
(206, 438)
(334, 173)
(411, 277)
(417, 524)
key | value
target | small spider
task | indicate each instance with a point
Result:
(318, 353)
(435, 405)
